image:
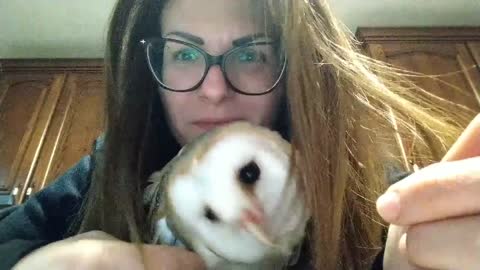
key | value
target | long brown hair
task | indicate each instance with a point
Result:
(113, 202)
(341, 105)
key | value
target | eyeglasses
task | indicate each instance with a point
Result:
(255, 68)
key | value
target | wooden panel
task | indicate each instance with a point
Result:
(474, 50)
(39, 132)
(417, 34)
(452, 64)
(51, 111)
(21, 99)
(78, 121)
(55, 66)
(432, 51)
(450, 61)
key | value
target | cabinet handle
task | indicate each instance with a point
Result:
(8, 199)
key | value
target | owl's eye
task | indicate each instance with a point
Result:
(250, 173)
(210, 215)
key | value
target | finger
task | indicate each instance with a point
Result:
(442, 190)
(171, 258)
(392, 257)
(94, 235)
(448, 244)
(468, 144)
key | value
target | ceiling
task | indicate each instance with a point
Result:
(76, 29)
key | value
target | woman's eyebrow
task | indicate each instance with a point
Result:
(198, 40)
(189, 37)
(247, 39)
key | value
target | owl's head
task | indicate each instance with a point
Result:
(238, 195)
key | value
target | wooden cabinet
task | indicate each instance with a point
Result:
(51, 111)
(451, 53)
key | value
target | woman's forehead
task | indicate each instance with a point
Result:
(214, 19)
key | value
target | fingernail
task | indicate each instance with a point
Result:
(388, 206)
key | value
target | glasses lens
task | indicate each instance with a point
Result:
(176, 65)
(254, 69)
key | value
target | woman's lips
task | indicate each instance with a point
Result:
(208, 124)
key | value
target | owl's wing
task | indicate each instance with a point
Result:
(154, 196)
(157, 182)
(154, 201)
(152, 193)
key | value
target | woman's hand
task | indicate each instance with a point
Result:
(98, 250)
(435, 212)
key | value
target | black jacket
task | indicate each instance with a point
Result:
(45, 217)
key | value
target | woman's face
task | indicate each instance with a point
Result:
(213, 25)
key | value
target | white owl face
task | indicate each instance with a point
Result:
(242, 178)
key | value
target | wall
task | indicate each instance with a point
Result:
(76, 29)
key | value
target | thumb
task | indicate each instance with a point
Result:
(92, 235)
(171, 258)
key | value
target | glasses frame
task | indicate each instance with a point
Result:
(211, 60)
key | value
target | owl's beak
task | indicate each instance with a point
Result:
(253, 221)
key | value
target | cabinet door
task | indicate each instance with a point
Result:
(444, 52)
(474, 47)
(51, 112)
(454, 66)
(23, 99)
(77, 121)
(451, 61)
(474, 78)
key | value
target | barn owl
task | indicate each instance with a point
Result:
(231, 197)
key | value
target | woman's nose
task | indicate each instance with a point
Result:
(215, 87)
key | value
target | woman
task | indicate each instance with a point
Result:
(328, 96)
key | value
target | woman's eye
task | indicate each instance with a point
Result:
(186, 55)
(251, 56)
